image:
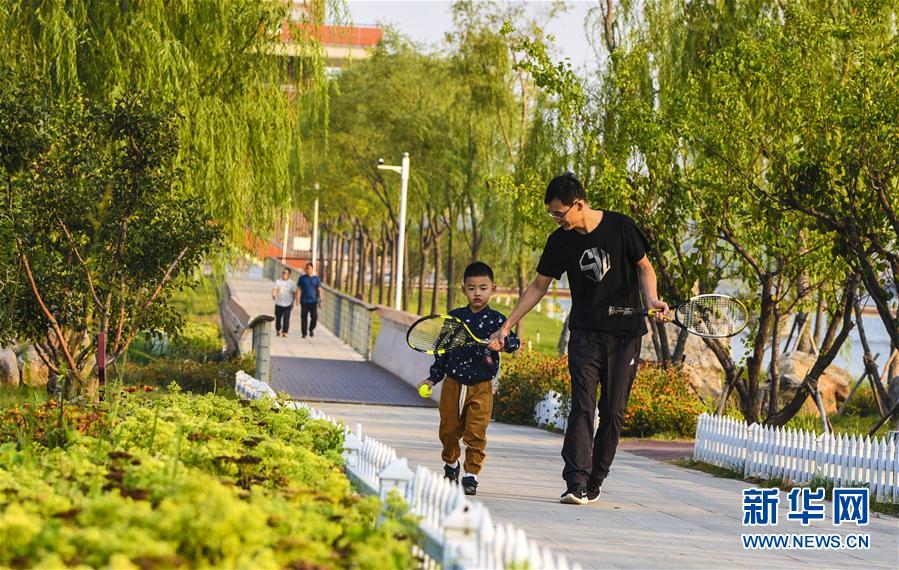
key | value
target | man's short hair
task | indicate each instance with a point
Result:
(308, 265)
(478, 269)
(565, 188)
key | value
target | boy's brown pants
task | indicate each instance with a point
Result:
(470, 424)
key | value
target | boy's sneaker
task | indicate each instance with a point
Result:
(470, 485)
(594, 490)
(451, 473)
(576, 494)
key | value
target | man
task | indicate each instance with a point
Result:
(284, 294)
(310, 300)
(604, 255)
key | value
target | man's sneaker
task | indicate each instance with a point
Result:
(594, 490)
(470, 485)
(311, 333)
(451, 473)
(576, 494)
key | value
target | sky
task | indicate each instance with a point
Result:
(426, 21)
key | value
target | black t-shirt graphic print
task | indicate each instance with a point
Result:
(602, 272)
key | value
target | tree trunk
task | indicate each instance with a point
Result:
(326, 259)
(338, 276)
(819, 319)
(332, 260)
(680, 346)
(424, 245)
(880, 394)
(828, 352)
(421, 281)
(894, 367)
(372, 262)
(392, 283)
(382, 271)
(752, 403)
(450, 278)
(520, 268)
(436, 287)
(363, 249)
(405, 275)
(774, 367)
(351, 263)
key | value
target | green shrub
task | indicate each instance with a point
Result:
(526, 378)
(200, 341)
(186, 481)
(197, 377)
(660, 401)
(862, 403)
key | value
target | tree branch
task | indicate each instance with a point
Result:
(44, 309)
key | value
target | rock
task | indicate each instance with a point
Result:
(32, 370)
(701, 365)
(833, 385)
(9, 368)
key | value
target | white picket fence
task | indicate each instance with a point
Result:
(550, 412)
(458, 532)
(798, 456)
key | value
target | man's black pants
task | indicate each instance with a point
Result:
(282, 318)
(308, 310)
(596, 359)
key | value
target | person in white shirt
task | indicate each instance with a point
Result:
(284, 294)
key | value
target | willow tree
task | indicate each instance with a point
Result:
(221, 63)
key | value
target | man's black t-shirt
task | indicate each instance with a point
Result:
(602, 272)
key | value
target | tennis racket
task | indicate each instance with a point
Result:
(710, 316)
(438, 334)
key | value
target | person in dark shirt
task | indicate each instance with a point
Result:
(310, 286)
(604, 255)
(466, 400)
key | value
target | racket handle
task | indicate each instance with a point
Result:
(629, 312)
(633, 312)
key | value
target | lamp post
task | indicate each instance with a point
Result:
(404, 173)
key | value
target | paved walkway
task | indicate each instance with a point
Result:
(321, 368)
(651, 514)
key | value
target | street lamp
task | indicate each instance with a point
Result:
(404, 172)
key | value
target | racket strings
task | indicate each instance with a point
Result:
(713, 316)
(434, 334)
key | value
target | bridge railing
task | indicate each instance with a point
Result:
(350, 319)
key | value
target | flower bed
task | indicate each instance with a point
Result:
(153, 481)
(660, 402)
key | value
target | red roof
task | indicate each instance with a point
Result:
(363, 36)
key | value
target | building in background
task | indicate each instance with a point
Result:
(341, 44)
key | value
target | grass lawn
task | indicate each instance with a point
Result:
(540, 329)
(198, 305)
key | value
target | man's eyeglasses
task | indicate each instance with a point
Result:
(559, 215)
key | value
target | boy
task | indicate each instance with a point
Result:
(466, 402)
(284, 294)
